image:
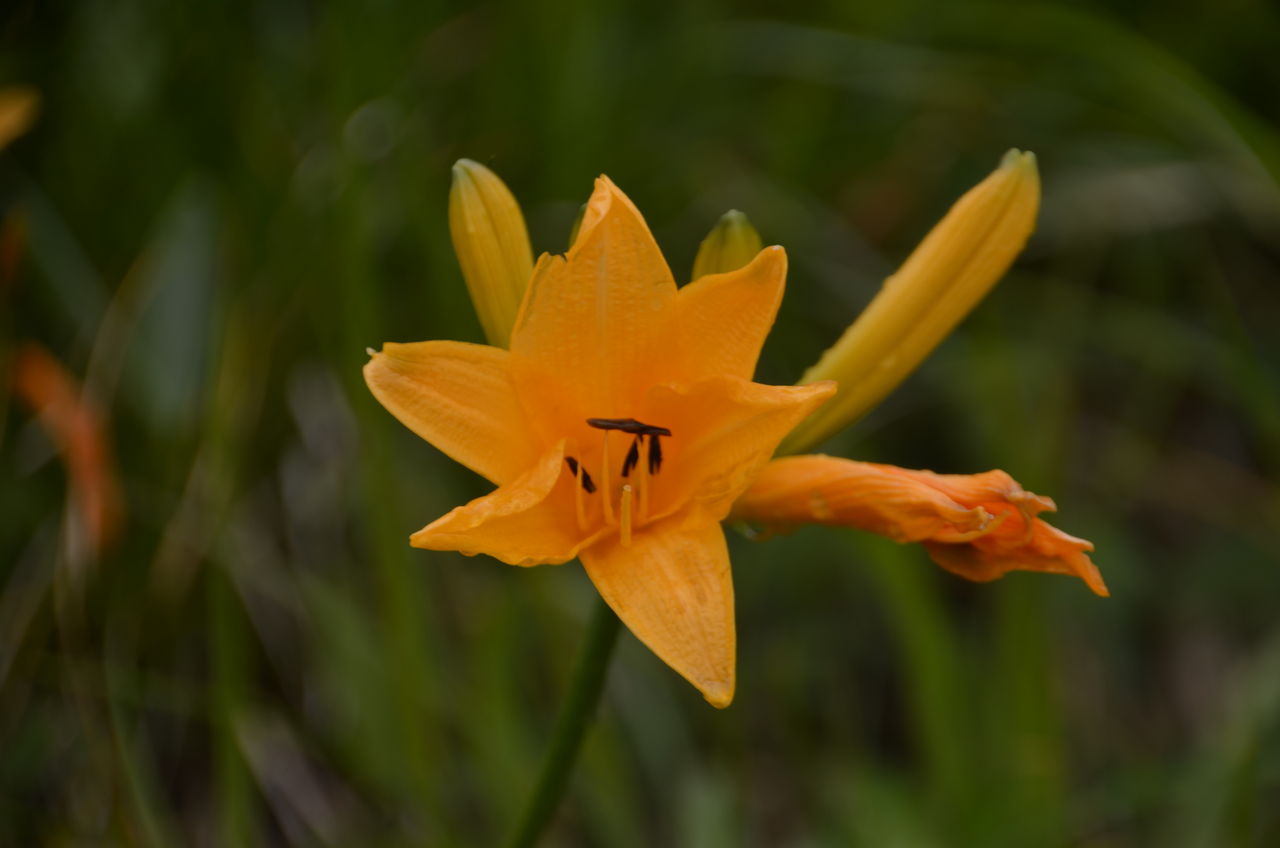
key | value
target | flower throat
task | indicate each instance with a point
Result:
(633, 505)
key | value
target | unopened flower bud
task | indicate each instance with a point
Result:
(492, 245)
(730, 245)
(952, 269)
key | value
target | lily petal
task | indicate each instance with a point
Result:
(595, 316)
(1040, 547)
(980, 526)
(460, 397)
(529, 521)
(725, 429)
(721, 320)
(672, 587)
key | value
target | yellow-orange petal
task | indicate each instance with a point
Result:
(720, 321)
(672, 587)
(989, 487)
(594, 317)
(1040, 547)
(724, 430)
(528, 521)
(460, 398)
(841, 492)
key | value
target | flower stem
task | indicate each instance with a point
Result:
(571, 726)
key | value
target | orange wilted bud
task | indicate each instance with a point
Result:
(76, 427)
(980, 526)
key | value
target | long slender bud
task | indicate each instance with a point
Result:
(492, 245)
(952, 269)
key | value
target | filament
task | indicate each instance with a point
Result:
(626, 514)
(578, 506)
(644, 495)
(606, 489)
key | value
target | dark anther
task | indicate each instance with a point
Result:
(628, 425)
(633, 457)
(587, 485)
(655, 453)
(638, 429)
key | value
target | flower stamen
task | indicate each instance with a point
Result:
(605, 482)
(643, 486)
(584, 484)
(626, 514)
(655, 452)
(633, 457)
(630, 463)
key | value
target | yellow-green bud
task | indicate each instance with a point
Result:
(731, 244)
(944, 278)
(492, 246)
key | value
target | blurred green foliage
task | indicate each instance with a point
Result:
(224, 204)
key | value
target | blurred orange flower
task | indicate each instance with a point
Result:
(19, 105)
(42, 383)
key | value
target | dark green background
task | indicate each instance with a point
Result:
(226, 203)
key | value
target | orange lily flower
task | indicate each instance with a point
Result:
(979, 526)
(620, 428)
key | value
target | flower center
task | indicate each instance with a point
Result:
(633, 500)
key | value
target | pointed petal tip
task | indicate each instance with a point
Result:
(603, 183)
(1095, 582)
(823, 389)
(773, 257)
(718, 694)
(597, 207)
